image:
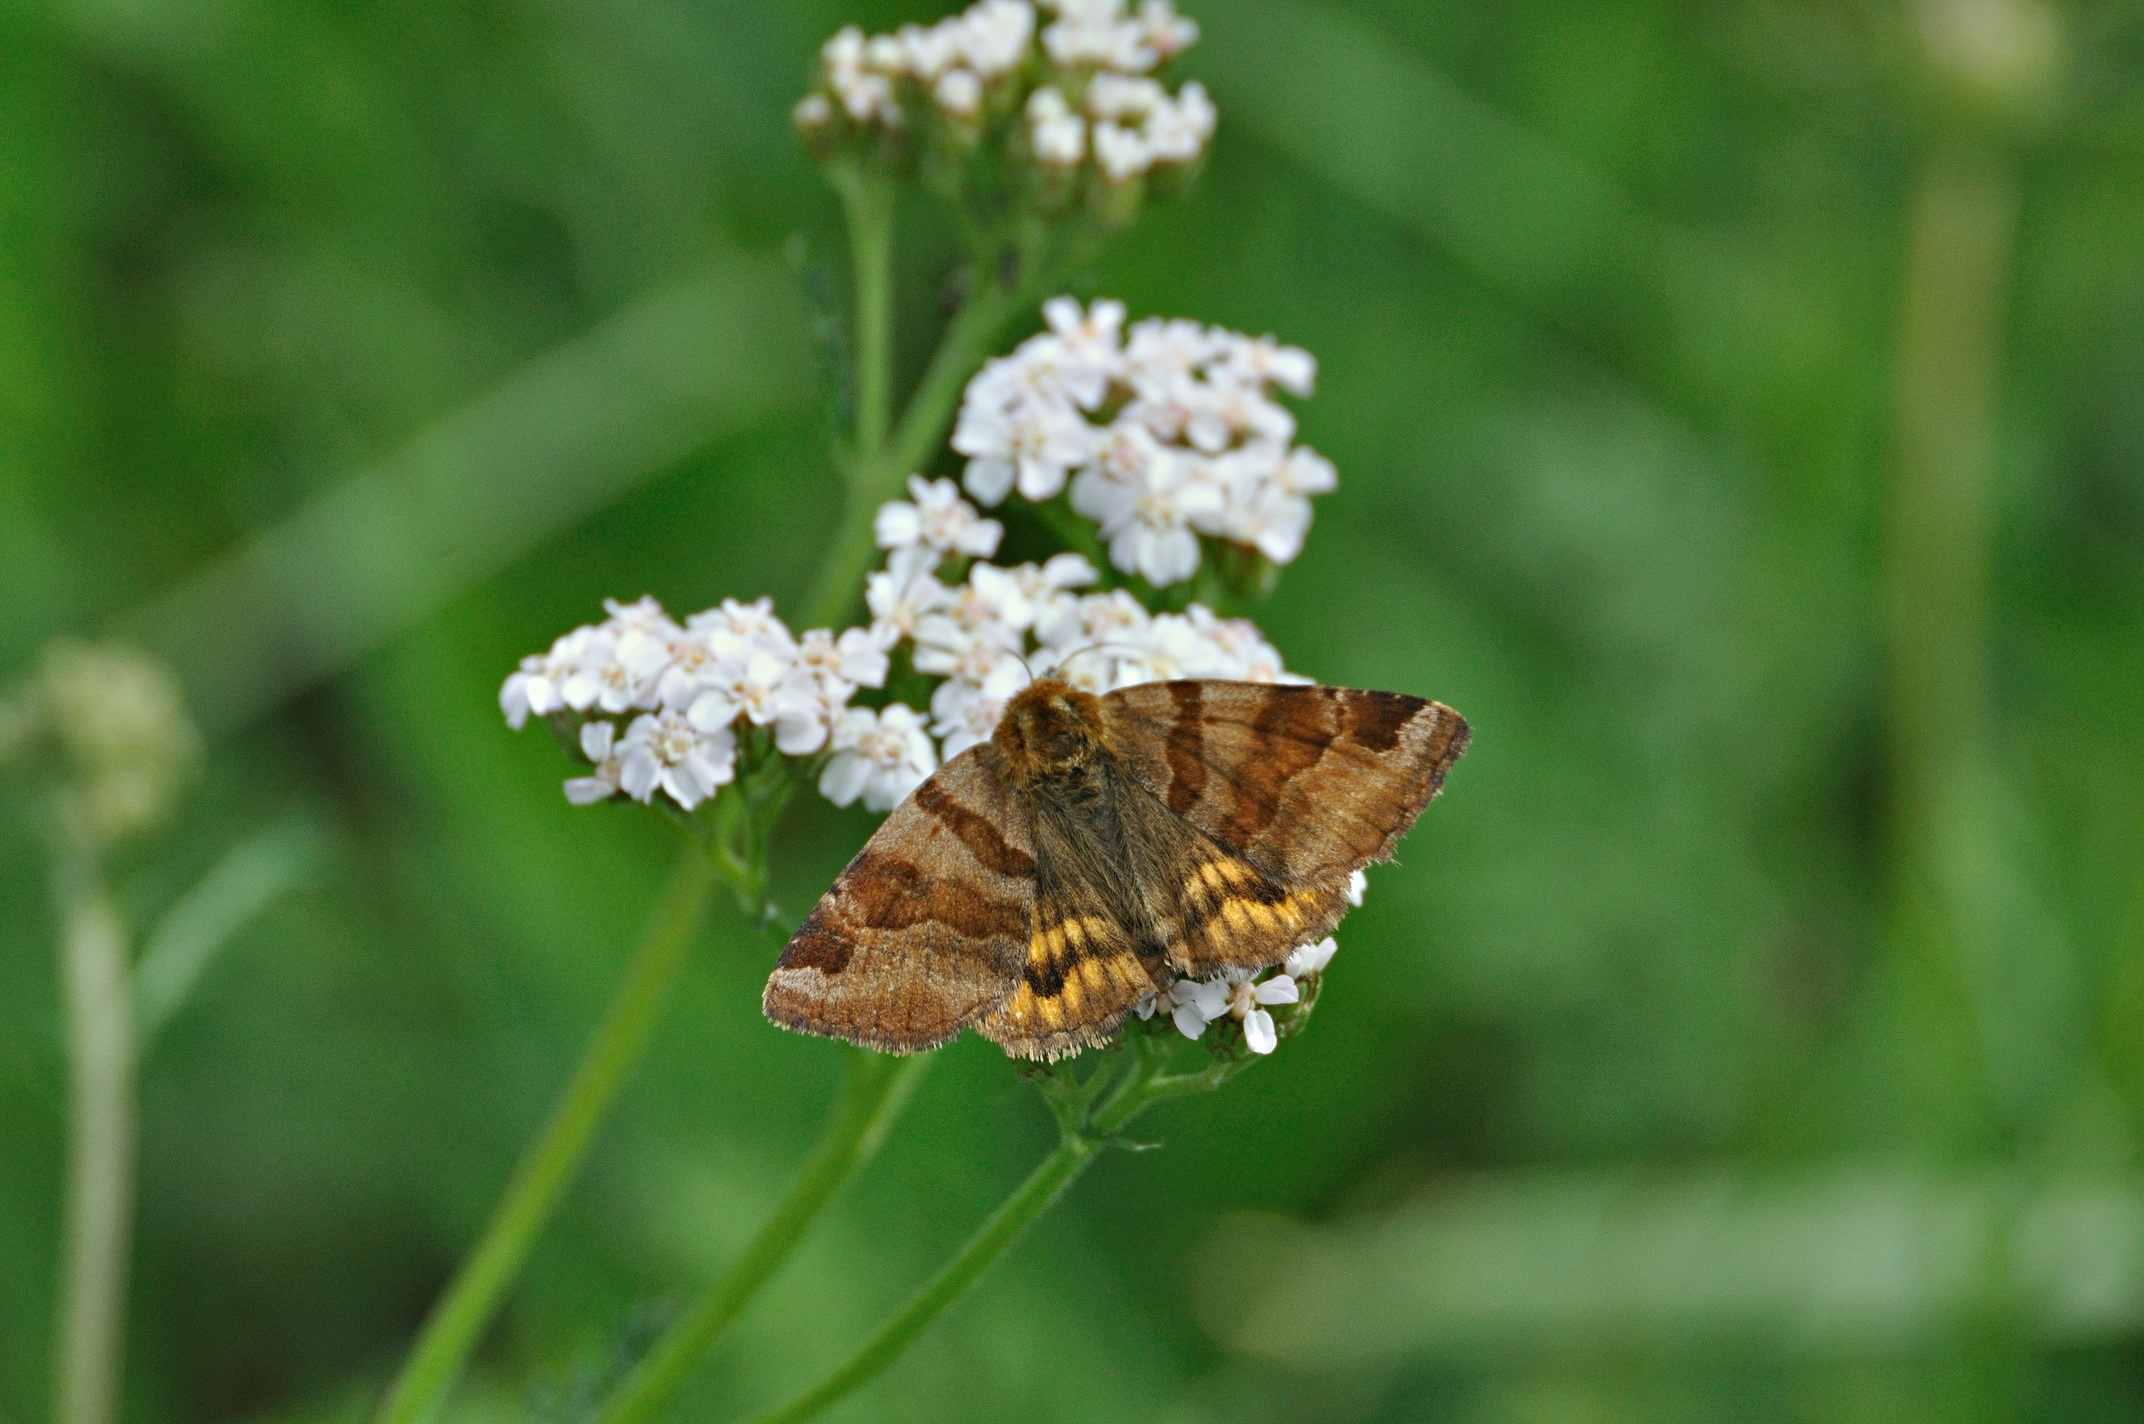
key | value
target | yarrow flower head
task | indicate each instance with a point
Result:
(1064, 98)
(654, 705)
(1168, 435)
(1250, 999)
(1195, 1004)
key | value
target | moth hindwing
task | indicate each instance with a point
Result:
(1096, 848)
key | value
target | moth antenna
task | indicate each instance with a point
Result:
(1066, 661)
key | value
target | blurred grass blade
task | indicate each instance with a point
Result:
(249, 878)
(1856, 1261)
(2025, 1002)
(538, 452)
(1386, 128)
(1702, 321)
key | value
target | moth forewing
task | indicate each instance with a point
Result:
(1305, 783)
(927, 927)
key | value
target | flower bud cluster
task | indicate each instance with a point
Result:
(1166, 433)
(997, 628)
(660, 704)
(110, 722)
(872, 81)
(1081, 99)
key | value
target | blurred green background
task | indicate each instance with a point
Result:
(1740, 417)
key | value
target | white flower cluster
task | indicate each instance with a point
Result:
(1195, 1003)
(1128, 122)
(1096, 96)
(1165, 432)
(660, 703)
(684, 690)
(994, 630)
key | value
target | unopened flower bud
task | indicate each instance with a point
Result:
(118, 721)
(959, 93)
(812, 115)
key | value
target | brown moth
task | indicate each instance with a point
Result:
(1096, 849)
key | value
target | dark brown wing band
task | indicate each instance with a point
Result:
(927, 929)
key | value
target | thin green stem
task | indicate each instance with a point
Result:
(554, 1158)
(1091, 1111)
(970, 338)
(733, 831)
(876, 1089)
(1033, 1197)
(100, 1149)
(867, 199)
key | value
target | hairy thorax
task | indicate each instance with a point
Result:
(1052, 732)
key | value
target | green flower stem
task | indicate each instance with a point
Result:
(735, 828)
(554, 1158)
(968, 341)
(1123, 1093)
(100, 1149)
(867, 199)
(877, 1088)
